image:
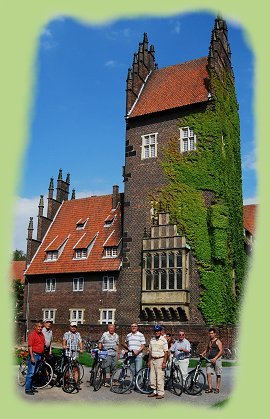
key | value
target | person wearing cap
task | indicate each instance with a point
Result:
(181, 350)
(72, 345)
(47, 332)
(72, 341)
(158, 355)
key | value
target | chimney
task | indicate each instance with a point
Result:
(115, 196)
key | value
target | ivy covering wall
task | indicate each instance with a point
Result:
(215, 232)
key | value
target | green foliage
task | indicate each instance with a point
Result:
(214, 233)
(18, 292)
(18, 255)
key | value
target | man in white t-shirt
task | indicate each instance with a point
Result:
(135, 341)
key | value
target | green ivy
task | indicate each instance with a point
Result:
(215, 233)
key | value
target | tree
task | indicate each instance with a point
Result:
(19, 255)
(18, 290)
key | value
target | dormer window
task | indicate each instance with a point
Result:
(109, 221)
(80, 253)
(111, 252)
(52, 255)
(81, 224)
(187, 139)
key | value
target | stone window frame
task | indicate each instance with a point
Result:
(50, 285)
(50, 315)
(78, 317)
(106, 320)
(78, 284)
(152, 276)
(106, 283)
(145, 146)
(188, 139)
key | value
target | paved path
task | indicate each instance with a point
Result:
(87, 395)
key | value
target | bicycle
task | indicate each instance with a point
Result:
(42, 376)
(122, 377)
(98, 371)
(195, 381)
(71, 368)
(22, 371)
(89, 344)
(142, 378)
(173, 377)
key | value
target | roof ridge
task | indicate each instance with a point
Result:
(179, 64)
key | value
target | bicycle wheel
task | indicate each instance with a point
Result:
(227, 353)
(43, 375)
(195, 382)
(81, 372)
(121, 380)
(99, 378)
(22, 371)
(177, 381)
(69, 383)
(142, 381)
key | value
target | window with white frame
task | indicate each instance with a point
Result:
(52, 255)
(80, 253)
(76, 315)
(187, 139)
(50, 285)
(78, 284)
(108, 283)
(107, 316)
(49, 314)
(111, 252)
(149, 146)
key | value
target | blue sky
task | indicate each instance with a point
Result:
(77, 121)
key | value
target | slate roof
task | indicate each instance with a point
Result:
(64, 236)
(249, 214)
(173, 87)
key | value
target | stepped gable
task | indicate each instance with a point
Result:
(249, 215)
(65, 236)
(173, 87)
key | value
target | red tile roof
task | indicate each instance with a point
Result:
(17, 269)
(249, 213)
(96, 209)
(173, 87)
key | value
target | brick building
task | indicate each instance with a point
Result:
(124, 257)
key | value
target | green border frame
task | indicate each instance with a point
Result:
(21, 23)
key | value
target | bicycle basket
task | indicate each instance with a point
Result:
(94, 352)
(102, 354)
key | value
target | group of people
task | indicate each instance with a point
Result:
(160, 350)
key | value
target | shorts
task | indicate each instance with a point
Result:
(214, 368)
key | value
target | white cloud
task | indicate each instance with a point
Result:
(177, 27)
(249, 161)
(47, 40)
(24, 209)
(252, 200)
(111, 63)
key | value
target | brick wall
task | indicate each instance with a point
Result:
(64, 298)
(142, 178)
